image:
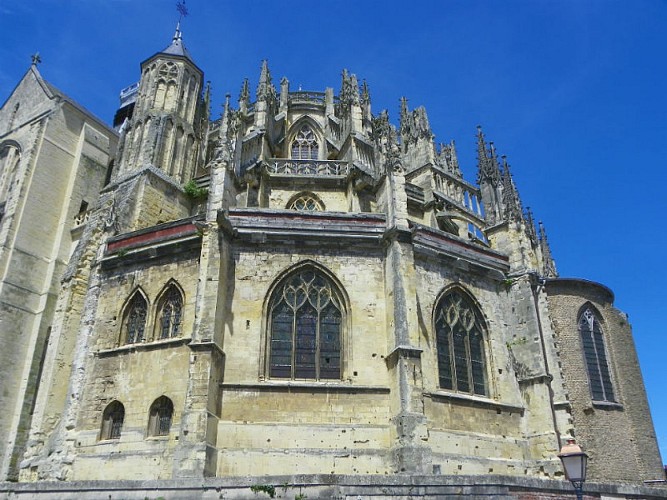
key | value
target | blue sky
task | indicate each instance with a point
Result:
(574, 92)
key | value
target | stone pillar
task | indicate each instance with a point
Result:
(196, 454)
(410, 452)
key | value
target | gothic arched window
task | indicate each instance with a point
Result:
(596, 357)
(305, 327)
(460, 332)
(307, 202)
(169, 71)
(305, 145)
(134, 319)
(112, 420)
(170, 312)
(160, 415)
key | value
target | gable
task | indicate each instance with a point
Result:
(30, 98)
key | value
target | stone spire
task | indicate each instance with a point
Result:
(349, 90)
(244, 96)
(448, 160)
(365, 94)
(488, 170)
(530, 225)
(511, 201)
(365, 102)
(404, 118)
(265, 89)
(489, 180)
(548, 264)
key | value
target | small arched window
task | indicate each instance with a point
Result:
(134, 319)
(595, 354)
(160, 415)
(305, 325)
(306, 202)
(305, 145)
(112, 420)
(170, 312)
(460, 337)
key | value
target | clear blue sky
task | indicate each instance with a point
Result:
(574, 92)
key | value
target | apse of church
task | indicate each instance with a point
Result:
(300, 286)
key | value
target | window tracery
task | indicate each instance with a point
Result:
(112, 420)
(169, 71)
(305, 145)
(592, 340)
(170, 313)
(460, 337)
(306, 202)
(135, 319)
(305, 325)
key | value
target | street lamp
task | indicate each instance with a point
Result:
(574, 462)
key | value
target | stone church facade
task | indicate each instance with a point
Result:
(296, 287)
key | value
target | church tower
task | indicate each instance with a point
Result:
(169, 118)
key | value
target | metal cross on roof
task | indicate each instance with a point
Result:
(36, 59)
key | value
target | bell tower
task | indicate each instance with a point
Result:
(168, 121)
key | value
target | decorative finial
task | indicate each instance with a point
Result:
(36, 59)
(182, 10)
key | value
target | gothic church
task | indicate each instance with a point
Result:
(298, 287)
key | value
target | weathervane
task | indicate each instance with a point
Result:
(36, 59)
(182, 10)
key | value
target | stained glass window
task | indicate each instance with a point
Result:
(305, 146)
(306, 318)
(596, 357)
(459, 329)
(135, 319)
(170, 313)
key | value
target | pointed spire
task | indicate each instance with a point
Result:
(448, 159)
(244, 96)
(404, 114)
(488, 170)
(354, 87)
(548, 263)
(530, 225)
(177, 47)
(511, 201)
(265, 89)
(349, 92)
(365, 95)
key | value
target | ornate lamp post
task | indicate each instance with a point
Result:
(574, 462)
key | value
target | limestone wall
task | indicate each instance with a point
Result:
(602, 429)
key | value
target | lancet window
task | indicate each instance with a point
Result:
(595, 354)
(161, 413)
(112, 420)
(134, 323)
(305, 145)
(460, 339)
(170, 313)
(306, 325)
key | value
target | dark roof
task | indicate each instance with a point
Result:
(177, 47)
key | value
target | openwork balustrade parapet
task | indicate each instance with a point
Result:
(322, 168)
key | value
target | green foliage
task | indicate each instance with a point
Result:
(264, 488)
(507, 283)
(194, 192)
(121, 253)
(300, 496)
